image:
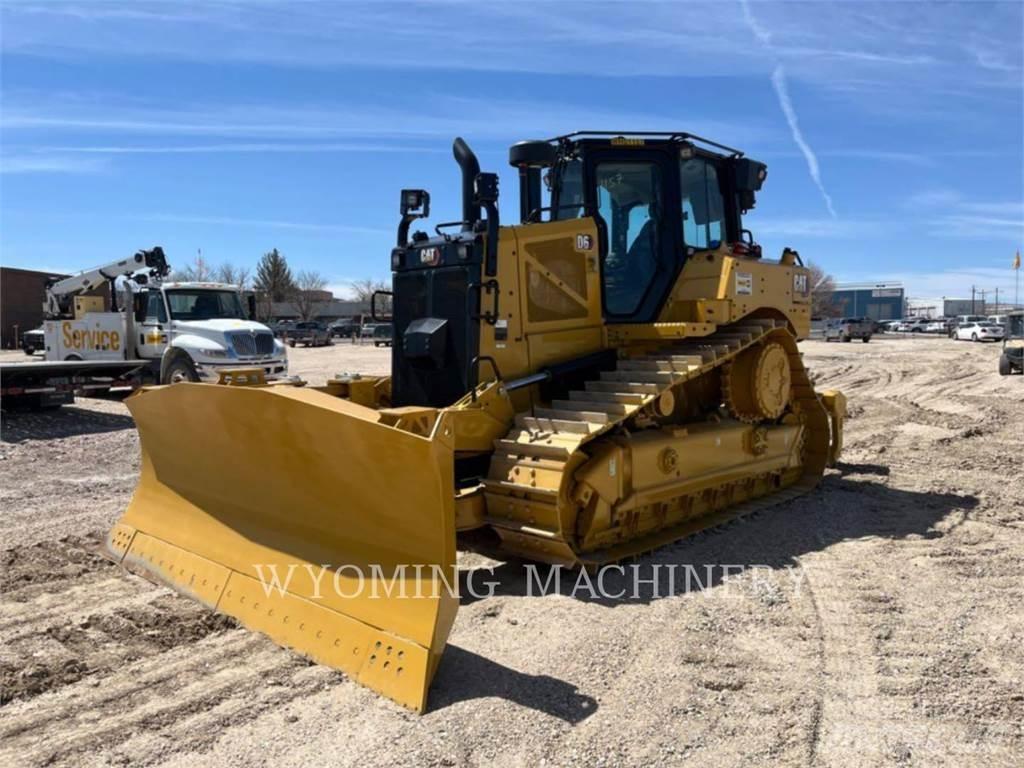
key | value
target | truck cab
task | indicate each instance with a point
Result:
(197, 328)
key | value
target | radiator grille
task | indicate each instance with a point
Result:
(249, 344)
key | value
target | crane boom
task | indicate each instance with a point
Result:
(59, 291)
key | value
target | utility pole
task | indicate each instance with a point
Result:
(996, 310)
(972, 300)
(982, 292)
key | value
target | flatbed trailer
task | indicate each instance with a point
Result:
(55, 383)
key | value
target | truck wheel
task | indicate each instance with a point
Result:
(865, 339)
(30, 351)
(291, 343)
(177, 370)
(1005, 369)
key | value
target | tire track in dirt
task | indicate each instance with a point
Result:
(912, 552)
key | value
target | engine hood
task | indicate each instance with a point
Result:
(218, 326)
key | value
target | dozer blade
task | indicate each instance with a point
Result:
(355, 518)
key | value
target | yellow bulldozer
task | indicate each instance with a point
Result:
(618, 370)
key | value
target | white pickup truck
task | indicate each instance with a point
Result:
(847, 328)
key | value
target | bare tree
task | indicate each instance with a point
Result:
(822, 288)
(238, 276)
(198, 271)
(363, 290)
(309, 287)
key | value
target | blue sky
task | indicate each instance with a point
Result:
(892, 131)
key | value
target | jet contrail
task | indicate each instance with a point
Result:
(779, 83)
(782, 92)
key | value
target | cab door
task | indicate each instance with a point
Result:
(634, 194)
(153, 331)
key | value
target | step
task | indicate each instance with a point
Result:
(526, 447)
(632, 398)
(705, 353)
(664, 378)
(573, 426)
(600, 406)
(686, 360)
(753, 330)
(733, 341)
(718, 350)
(621, 386)
(645, 364)
(594, 417)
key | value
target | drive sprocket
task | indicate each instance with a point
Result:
(757, 384)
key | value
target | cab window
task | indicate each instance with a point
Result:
(703, 206)
(569, 202)
(155, 310)
(629, 201)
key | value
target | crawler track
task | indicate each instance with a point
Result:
(531, 474)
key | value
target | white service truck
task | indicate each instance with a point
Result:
(182, 331)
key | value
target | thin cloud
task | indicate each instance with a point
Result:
(949, 283)
(953, 215)
(45, 163)
(231, 221)
(240, 148)
(354, 124)
(786, 103)
(817, 227)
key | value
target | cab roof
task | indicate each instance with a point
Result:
(200, 286)
(641, 139)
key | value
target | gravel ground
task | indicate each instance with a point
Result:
(876, 621)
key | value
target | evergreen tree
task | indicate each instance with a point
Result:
(274, 277)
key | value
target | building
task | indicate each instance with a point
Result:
(325, 311)
(22, 295)
(879, 301)
(944, 306)
(22, 292)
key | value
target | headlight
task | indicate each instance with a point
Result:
(215, 353)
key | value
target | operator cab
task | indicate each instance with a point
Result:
(658, 199)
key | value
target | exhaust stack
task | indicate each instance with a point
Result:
(470, 168)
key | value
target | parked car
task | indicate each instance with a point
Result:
(281, 328)
(965, 320)
(888, 326)
(1003, 320)
(311, 333)
(849, 328)
(33, 341)
(985, 331)
(913, 325)
(382, 335)
(345, 328)
(937, 326)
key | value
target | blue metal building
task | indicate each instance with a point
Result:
(879, 301)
